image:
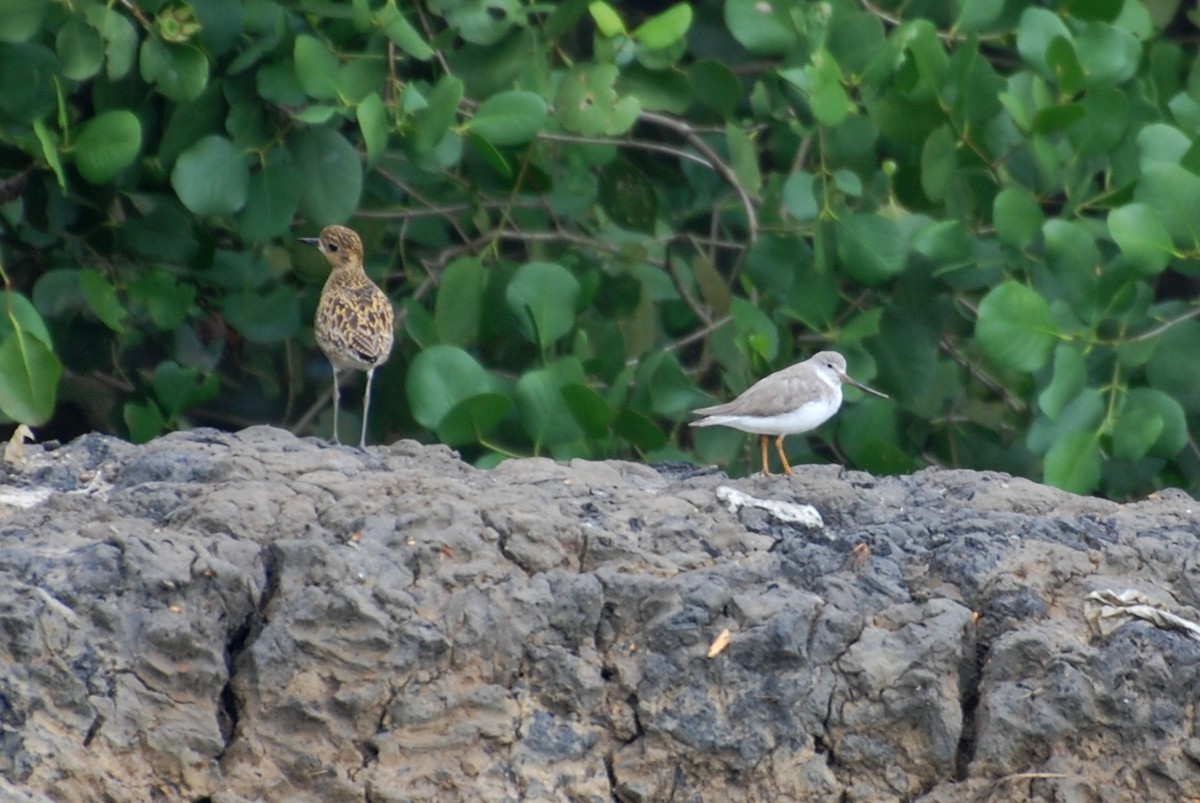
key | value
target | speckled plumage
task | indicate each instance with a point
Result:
(797, 399)
(355, 323)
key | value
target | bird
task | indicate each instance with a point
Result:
(355, 322)
(797, 399)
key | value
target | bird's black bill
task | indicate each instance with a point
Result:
(309, 240)
(863, 387)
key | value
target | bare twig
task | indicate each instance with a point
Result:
(1164, 326)
(1010, 401)
(692, 337)
(441, 211)
(403, 185)
(656, 147)
(723, 170)
(698, 309)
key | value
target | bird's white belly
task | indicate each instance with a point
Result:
(808, 416)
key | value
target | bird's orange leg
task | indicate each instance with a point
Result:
(779, 448)
(766, 468)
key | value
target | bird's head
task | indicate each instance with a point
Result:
(340, 245)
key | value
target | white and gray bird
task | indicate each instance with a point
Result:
(797, 399)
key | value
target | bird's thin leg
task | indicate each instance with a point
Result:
(766, 467)
(779, 448)
(362, 441)
(336, 394)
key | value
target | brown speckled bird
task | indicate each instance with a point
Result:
(354, 324)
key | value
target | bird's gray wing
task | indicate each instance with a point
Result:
(771, 395)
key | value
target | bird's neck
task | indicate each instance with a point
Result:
(348, 273)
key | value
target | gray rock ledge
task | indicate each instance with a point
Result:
(256, 617)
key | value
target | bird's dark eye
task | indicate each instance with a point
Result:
(333, 247)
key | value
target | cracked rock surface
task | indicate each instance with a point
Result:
(257, 617)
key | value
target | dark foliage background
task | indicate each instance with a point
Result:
(594, 217)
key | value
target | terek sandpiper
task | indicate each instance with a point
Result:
(797, 399)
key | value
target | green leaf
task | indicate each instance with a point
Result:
(277, 83)
(1144, 241)
(492, 156)
(1135, 430)
(397, 28)
(799, 196)
(870, 248)
(656, 89)
(441, 110)
(869, 433)
(270, 317)
(332, 175)
(120, 39)
(480, 23)
(459, 304)
(1015, 327)
(179, 389)
(1105, 10)
(1173, 436)
(49, 144)
(757, 334)
(1036, 29)
(939, 163)
(1057, 118)
(544, 412)
(1175, 364)
(1084, 413)
(21, 19)
(373, 122)
(542, 296)
(1060, 58)
(587, 102)
(744, 158)
(591, 411)
(144, 421)
(272, 198)
(608, 21)
(316, 67)
(473, 418)
(1073, 463)
(29, 375)
(1108, 55)
(821, 84)
(179, 71)
(639, 430)
(79, 48)
(1172, 193)
(665, 29)
(211, 177)
(165, 299)
(102, 299)
(763, 27)
(1106, 119)
(1069, 380)
(28, 90)
(977, 15)
(1018, 217)
(906, 351)
(360, 78)
(108, 143)
(715, 85)
(628, 196)
(509, 118)
(671, 392)
(439, 379)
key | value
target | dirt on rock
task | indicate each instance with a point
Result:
(257, 617)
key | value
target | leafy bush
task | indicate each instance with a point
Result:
(594, 217)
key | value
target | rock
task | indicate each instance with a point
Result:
(257, 617)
